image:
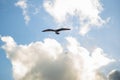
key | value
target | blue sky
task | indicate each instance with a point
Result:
(12, 23)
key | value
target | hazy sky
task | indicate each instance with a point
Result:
(26, 53)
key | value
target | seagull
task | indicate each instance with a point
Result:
(56, 30)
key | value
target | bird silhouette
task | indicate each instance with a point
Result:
(57, 31)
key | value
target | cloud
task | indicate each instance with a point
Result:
(48, 60)
(88, 12)
(24, 6)
(37, 10)
(114, 75)
(100, 58)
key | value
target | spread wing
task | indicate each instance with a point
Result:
(46, 30)
(55, 30)
(62, 29)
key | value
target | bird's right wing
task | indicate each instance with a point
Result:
(61, 29)
(46, 30)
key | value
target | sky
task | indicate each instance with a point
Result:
(90, 49)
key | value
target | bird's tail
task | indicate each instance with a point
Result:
(57, 32)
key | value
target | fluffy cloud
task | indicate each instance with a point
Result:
(100, 58)
(88, 12)
(48, 60)
(114, 75)
(24, 6)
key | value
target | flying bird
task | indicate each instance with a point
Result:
(56, 30)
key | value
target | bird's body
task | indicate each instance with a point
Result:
(55, 30)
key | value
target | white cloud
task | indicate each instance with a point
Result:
(48, 61)
(100, 58)
(88, 12)
(24, 6)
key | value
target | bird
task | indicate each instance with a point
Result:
(57, 31)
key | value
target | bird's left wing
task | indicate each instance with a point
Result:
(48, 30)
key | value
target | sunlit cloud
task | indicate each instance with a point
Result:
(24, 6)
(48, 60)
(114, 75)
(88, 12)
(100, 58)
